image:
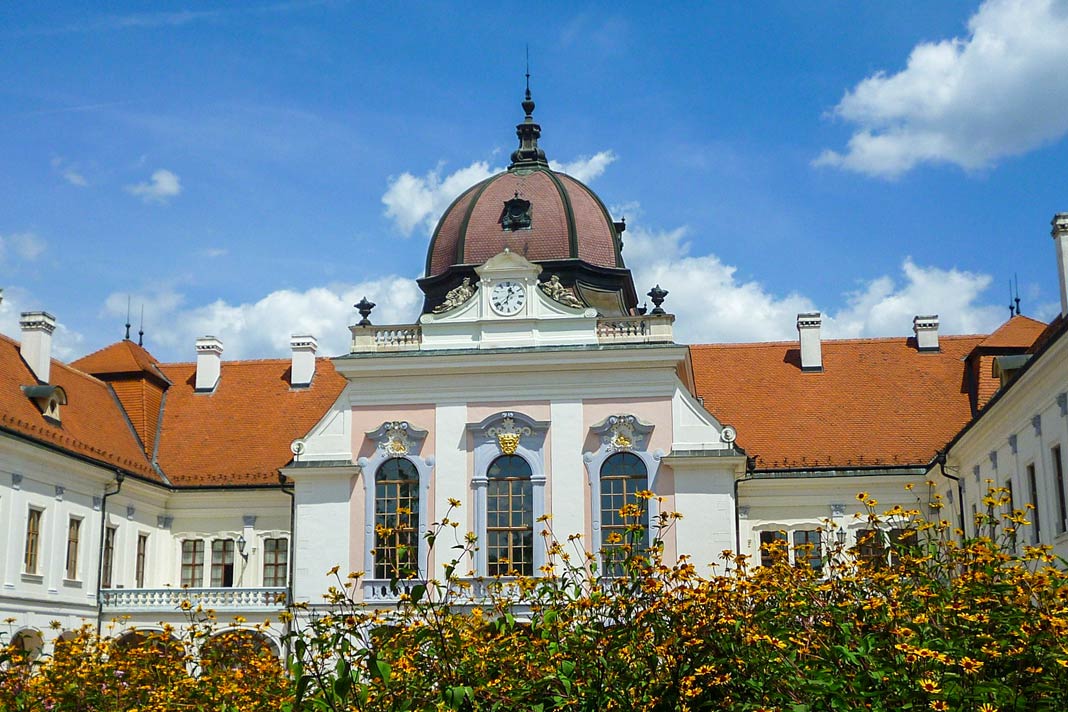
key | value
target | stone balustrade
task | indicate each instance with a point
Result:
(116, 600)
(386, 338)
(635, 329)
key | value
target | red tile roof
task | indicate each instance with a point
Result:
(121, 357)
(92, 424)
(878, 402)
(240, 433)
(1017, 332)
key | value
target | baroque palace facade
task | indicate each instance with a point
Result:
(533, 384)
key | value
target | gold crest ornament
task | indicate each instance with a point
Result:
(508, 434)
(508, 442)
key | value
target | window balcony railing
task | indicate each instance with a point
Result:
(116, 600)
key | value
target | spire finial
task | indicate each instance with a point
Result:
(127, 337)
(1016, 279)
(528, 132)
(141, 329)
(1012, 309)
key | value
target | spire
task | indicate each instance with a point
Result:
(127, 337)
(528, 153)
(141, 329)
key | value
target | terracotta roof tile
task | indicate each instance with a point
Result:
(240, 433)
(878, 402)
(121, 357)
(92, 423)
(1017, 332)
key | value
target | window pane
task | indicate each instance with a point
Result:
(275, 562)
(73, 535)
(33, 540)
(222, 562)
(109, 557)
(142, 554)
(807, 549)
(396, 525)
(624, 532)
(870, 547)
(193, 563)
(770, 552)
(510, 517)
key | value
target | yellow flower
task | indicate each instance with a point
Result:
(939, 705)
(929, 686)
(333, 571)
(987, 707)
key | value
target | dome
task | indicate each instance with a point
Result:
(563, 220)
(548, 217)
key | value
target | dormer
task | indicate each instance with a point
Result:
(48, 399)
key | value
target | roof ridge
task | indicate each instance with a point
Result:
(850, 340)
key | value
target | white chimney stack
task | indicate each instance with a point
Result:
(808, 330)
(926, 330)
(303, 370)
(1060, 239)
(209, 363)
(36, 348)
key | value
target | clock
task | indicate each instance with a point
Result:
(507, 298)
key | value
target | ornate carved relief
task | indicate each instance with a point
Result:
(622, 432)
(508, 434)
(556, 291)
(456, 296)
(397, 438)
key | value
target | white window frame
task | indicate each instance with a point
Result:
(395, 439)
(487, 448)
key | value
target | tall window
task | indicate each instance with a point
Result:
(902, 541)
(770, 550)
(33, 540)
(509, 517)
(74, 528)
(222, 563)
(193, 562)
(275, 562)
(1032, 485)
(396, 519)
(871, 548)
(109, 557)
(1058, 472)
(807, 549)
(624, 516)
(142, 554)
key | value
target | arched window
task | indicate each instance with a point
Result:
(624, 515)
(509, 517)
(396, 523)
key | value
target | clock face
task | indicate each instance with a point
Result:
(507, 298)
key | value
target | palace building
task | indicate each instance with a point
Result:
(532, 384)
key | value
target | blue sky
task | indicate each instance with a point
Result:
(250, 170)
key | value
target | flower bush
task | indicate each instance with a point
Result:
(930, 621)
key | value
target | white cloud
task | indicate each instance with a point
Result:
(1000, 91)
(712, 305)
(418, 201)
(412, 201)
(262, 328)
(25, 245)
(213, 252)
(69, 172)
(66, 343)
(585, 168)
(161, 187)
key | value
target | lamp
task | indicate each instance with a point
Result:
(241, 546)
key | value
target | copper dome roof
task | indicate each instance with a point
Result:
(566, 221)
(546, 216)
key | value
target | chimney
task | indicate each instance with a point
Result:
(209, 363)
(1060, 238)
(808, 329)
(304, 346)
(36, 349)
(926, 330)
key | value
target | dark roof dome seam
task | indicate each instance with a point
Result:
(569, 214)
(461, 241)
(441, 221)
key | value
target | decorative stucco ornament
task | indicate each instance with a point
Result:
(556, 291)
(396, 443)
(456, 296)
(516, 214)
(622, 433)
(508, 435)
